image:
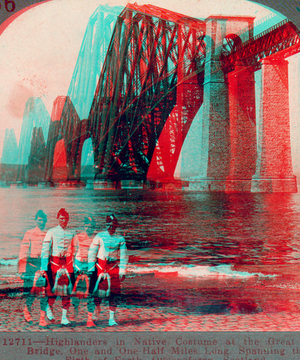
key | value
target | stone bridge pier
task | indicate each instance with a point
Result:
(274, 172)
(238, 152)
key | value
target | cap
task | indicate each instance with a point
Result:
(89, 220)
(111, 219)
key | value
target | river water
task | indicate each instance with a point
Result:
(214, 242)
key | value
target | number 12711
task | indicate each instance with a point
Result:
(21, 342)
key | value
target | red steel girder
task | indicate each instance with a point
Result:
(149, 55)
(281, 40)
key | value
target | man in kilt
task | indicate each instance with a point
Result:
(30, 263)
(83, 242)
(107, 255)
(58, 253)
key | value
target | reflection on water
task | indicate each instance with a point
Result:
(182, 227)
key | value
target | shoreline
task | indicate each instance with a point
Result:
(169, 303)
(146, 318)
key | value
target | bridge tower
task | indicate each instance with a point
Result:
(222, 127)
(274, 171)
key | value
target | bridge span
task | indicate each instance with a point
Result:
(159, 69)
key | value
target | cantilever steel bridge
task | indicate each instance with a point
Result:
(149, 91)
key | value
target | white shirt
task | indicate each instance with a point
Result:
(108, 247)
(82, 245)
(58, 242)
(31, 246)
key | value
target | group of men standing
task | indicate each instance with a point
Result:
(60, 255)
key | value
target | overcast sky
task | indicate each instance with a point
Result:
(40, 48)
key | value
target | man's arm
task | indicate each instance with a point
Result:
(74, 246)
(46, 250)
(75, 249)
(92, 254)
(24, 252)
(123, 258)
